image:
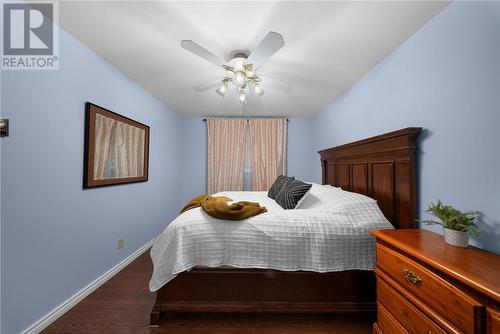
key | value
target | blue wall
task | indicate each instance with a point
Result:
(302, 160)
(56, 237)
(445, 78)
(194, 159)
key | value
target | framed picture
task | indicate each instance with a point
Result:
(116, 148)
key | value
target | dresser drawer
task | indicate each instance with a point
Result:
(452, 304)
(387, 323)
(413, 320)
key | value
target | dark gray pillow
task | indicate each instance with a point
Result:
(292, 193)
(278, 185)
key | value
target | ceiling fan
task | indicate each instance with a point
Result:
(241, 67)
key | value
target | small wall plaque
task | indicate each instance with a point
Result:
(4, 127)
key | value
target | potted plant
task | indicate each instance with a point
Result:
(457, 225)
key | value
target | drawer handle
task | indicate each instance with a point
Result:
(412, 277)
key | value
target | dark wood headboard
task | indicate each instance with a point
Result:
(381, 167)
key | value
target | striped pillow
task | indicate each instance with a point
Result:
(292, 194)
(279, 184)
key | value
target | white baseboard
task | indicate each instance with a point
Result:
(53, 315)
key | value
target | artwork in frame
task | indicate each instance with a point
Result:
(116, 148)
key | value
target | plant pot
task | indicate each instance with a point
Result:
(456, 238)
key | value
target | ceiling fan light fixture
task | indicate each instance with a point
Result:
(241, 68)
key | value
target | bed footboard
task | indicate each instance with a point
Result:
(265, 291)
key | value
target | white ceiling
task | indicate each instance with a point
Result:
(328, 46)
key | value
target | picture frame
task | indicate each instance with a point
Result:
(116, 148)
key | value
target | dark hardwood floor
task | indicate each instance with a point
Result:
(122, 305)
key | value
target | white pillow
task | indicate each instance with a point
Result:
(327, 197)
(313, 198)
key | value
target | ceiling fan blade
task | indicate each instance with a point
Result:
(266, 48)
(276, 83)
(202, 52)
(208, 85)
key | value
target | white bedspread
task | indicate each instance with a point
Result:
(330, 234)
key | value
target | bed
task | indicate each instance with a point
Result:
(230, 271)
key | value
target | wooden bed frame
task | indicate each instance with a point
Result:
(382, 167)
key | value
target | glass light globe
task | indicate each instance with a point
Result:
(258, 90)
(239, 79)
(221, 90)
(242, 97)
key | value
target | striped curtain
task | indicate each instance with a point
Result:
(226, 154)
(267, 151)
(105, 128)
(129, 150)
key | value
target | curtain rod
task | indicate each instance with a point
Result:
(204, 119)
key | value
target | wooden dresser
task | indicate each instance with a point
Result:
(425, 286)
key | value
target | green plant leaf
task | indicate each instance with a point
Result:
(453, 219)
